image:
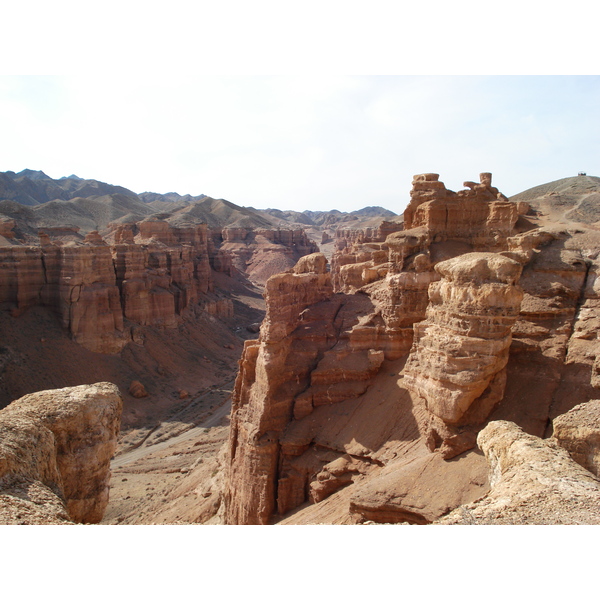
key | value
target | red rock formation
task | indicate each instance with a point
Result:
(480, 218)
(56, 447)
(221, 308)
(480, 215)
(6, 228)
(458, 361)
(21, 276)
(81, 289)
(271, 375)
(137, 389)
(151, 276)
(319, 352)
(259, 253)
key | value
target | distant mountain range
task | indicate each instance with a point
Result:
(36, 200)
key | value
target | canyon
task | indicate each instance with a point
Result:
(406, 370)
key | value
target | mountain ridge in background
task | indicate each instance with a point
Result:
(90, 205)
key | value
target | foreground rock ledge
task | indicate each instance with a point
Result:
(578, 432)
(533, 482)
(55, 452)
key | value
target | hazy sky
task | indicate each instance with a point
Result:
(301, 142)
(257, 102)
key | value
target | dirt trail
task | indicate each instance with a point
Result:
(138, 453)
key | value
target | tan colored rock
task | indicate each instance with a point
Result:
(270, 376)
(533, 482)
(56, 448)
(480, 215)
(26, 501)
(312, 263)
(288, 294)
(457, 363)
(306, 357)
(578, 432)
(551, 367)
(137, 389)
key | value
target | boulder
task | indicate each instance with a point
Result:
(55, 453)
(533, 482)
(137, 389)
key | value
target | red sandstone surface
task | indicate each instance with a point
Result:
(360, 405)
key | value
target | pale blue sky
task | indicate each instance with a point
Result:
(302, 142)
(145, 103)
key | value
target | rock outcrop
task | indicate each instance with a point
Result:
(271, 374)
(259, 253)
(457, 365)
(149, 273)
(469, 314)
(533, 481)
(578, 432)
(137, 389)
(479, 215)
(55, 452)
(334, 352)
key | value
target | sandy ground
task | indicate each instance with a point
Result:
(174, 476)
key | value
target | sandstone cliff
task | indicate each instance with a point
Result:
(55, 452)
(149, 273)
(258, 253)
(457, 365)
(354, 404)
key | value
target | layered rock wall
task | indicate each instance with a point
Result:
(259, 253)
(427, 295)
(151, 275)
(457, 364)
(270, 376)
(479, 215)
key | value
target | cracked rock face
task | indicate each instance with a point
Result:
(318, 349)
(151, 274)
(578, 432)
(461, 349)
(55, 451)
(306, 357)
